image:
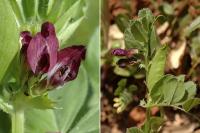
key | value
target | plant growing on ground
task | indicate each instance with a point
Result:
(145, 51)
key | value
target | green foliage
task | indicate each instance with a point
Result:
(141, 32)
(172, 91)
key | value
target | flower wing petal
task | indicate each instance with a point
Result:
(35, 51)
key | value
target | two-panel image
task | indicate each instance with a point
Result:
(99, 66)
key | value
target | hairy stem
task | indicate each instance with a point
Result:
(17, 121)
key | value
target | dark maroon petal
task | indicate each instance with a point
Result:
(119, 52)
(48, 29)
(35, 51)
(26, 38)
(52, 49)
(48, 32)
(68, 64)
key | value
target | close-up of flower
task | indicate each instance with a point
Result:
(44, 57)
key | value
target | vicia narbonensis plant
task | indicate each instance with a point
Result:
(145, 50)
(43, 68)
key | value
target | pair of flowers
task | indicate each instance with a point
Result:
(41, 53)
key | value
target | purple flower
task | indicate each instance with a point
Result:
(67, 67)
(41, 49)
(129, 56)
(42, 56)
(119, 52)
(123, 52)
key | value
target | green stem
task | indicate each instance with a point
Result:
(148, 115)
(18, 121)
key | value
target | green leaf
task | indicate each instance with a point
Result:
(189, 104)
(17, 12)
(29, 9)
(92, 60)
(70, 16)
(58, 8)
(157, 66)
(170, 90)
(71, 98)
(89, 113)
(40, 121)
(9, 39)
(69, 31)
(43, 7)
(83, 127)
(88, 25)
(193, 26)
(134, 130)
(138, 31)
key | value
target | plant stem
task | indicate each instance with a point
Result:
(148, 115)
(18, 121)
